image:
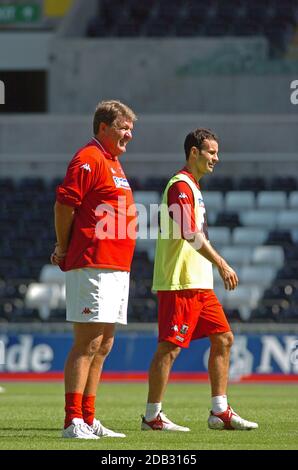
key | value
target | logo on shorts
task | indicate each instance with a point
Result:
(184, 329)
(175, 328)
(179, 338)
(86, 311)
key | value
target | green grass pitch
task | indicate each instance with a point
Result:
(31, 416)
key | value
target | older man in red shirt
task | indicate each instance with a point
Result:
(95, 222)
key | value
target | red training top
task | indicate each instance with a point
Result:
(181, 193)
(104, 227)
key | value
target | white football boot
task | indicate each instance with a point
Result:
(161, 423)
(231, 421)
(100, 431)
(79, 430)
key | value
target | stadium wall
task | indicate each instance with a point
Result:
(249, 144)
(182, 75)
(154, 133)
(20, 51)
(254, 357)
(143, 165)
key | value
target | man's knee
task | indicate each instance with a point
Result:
(93, 346)
(88, 338)
(222, 340)
(86, 347)
(167, 349)
(106, 347)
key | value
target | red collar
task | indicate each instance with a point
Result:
(103, 150)
(185, 171)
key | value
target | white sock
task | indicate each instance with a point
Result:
(152, 410)
(219, 404)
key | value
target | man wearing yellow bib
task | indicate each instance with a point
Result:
(188, 308)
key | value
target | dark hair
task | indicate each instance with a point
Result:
(196, 139)
(108, 111)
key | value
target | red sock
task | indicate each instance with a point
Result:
(88, 408)
(73, 407)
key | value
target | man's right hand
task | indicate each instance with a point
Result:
(58, 255)
(228, 275)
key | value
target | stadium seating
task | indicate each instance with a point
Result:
(282, 183)
(294, 235)
(228, 219)
(268, 255)
(51, 275)
(147, 206)
(250, 236)
(237, 255)
(287, 219)
(214, 201)
(251, 183)
(237, 201)
(244, 298)
(44, 297)
(260, 275)
(261, 243)
(259, 218)
(271, 200)
(293, 200)
(220, 236)
(280, 237)
(158, 18)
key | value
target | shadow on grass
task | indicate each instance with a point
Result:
(13, 428)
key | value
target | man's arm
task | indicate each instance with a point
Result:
(205, 249)
(181, 195)
(63, 222)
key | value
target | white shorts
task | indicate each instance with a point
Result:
(96, 295)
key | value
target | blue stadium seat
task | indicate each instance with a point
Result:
(266, 313)
(280, 237)
(188, 27)
(214, 201)
(293, 200)
(7, 185)
(259, 218)
(268, 255)
(228, 219)
(250, 236)
(219, 183)
(250, 183)
(271, 200)
(127, 28)
(262, 275)
(155, 184)
(287, 219)
(237, 201)
(219, 236)
(283, 183)
(288, 273)
(35, 184)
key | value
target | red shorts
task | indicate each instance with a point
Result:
(185, 315)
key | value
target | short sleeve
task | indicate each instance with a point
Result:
(81, 176)
(181, 208)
